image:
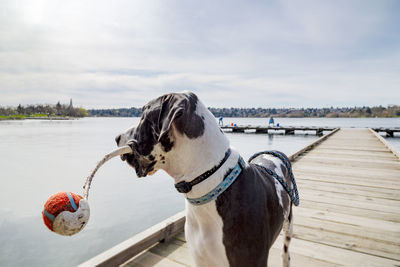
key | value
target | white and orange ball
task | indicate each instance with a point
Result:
(66, 213)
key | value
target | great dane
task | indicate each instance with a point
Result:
(230, 225)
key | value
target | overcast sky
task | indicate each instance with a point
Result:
(231, 53)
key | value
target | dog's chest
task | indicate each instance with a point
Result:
(203, 230)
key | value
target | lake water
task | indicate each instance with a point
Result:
(40, 158)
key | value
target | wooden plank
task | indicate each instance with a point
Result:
(350, 197)
(150, 259)
(337, 216)
(354, 145)
(389, 175)
(354, 163)
(353, 203)
(354, 243)
(361, 157)
(346, 179)
(354, 153)
(175, 250)
(366, 191)
(354, 229)
(348, 137)
(275, 259)
(316, 180)
(338, 256)
(363, 149)
(324, 207)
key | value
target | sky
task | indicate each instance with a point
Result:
(108, 54)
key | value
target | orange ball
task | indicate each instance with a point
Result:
(65, 213)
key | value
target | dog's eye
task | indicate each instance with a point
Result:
(179, 114)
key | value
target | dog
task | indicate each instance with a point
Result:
(237, 227)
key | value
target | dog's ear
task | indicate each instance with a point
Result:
(171, 110)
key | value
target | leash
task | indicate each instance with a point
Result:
(292, 192)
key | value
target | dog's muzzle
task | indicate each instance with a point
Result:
(141, 164)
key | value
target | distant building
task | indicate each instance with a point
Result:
(71, 111)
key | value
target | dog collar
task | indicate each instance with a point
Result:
(185, 187)
(226, 182)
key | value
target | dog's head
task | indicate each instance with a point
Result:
(154, 137)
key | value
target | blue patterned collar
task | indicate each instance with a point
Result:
(226, 182)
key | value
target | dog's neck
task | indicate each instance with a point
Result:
(192, 157)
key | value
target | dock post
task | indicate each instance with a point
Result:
(289, 131)
(389, 133)
(238, 130)
(262, 130)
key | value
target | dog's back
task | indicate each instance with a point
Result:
(253, 210)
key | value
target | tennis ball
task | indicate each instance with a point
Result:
(66, 213)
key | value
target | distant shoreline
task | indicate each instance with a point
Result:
(53, 118)
(60, 112)
(14, 118)
(392, 111)
(20, 118)
(260, 117)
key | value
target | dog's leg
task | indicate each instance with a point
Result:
(288, 232)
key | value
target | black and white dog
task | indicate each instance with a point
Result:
(237, 227)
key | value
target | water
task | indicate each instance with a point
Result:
(39, 158)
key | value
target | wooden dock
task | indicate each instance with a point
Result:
(349, 213)
(274, 129)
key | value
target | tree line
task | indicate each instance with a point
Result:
(347, 112)
(57, 110)
(332, 112)
(116, 112)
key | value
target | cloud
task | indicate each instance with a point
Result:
(232, 53)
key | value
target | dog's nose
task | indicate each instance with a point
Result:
(117, 139)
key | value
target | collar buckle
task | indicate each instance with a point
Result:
(183, 187)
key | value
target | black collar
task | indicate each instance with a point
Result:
(185, 187)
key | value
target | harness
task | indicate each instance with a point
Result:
(185, 187)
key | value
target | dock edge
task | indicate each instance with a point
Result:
(386, 143)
